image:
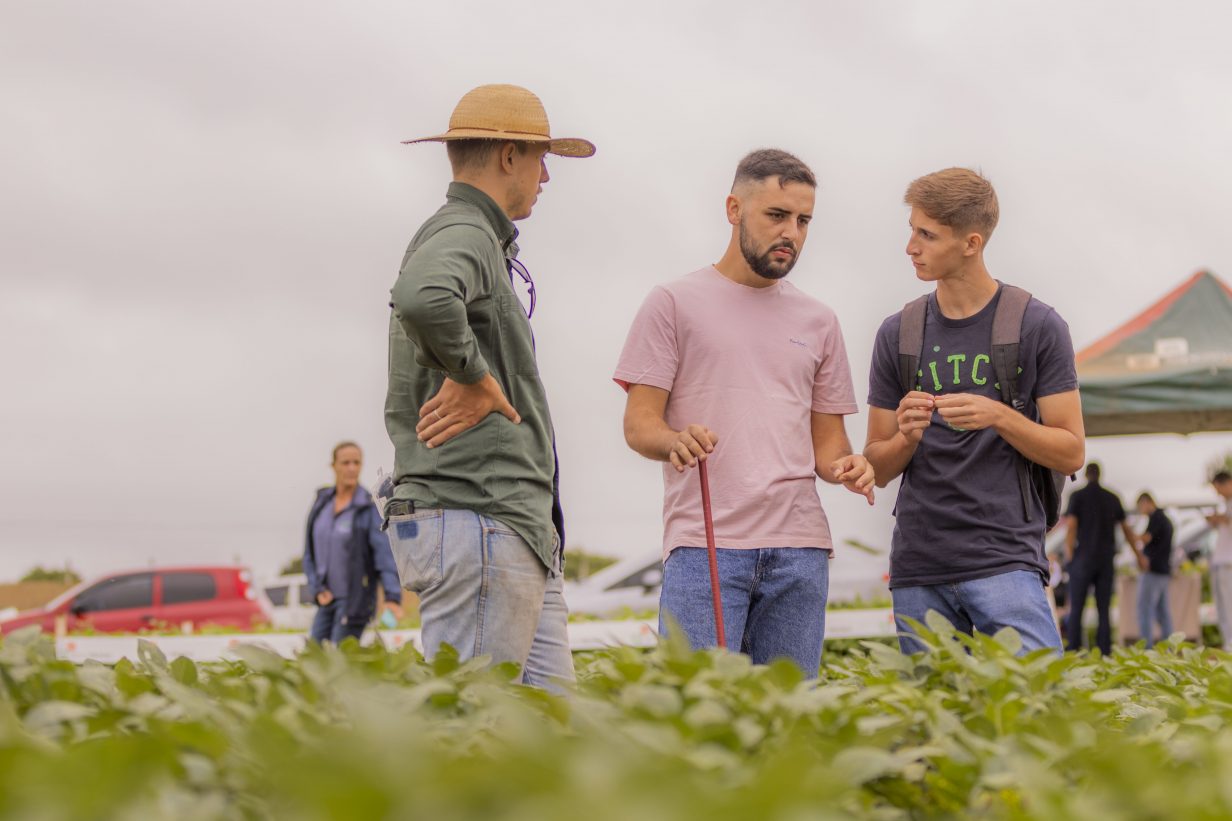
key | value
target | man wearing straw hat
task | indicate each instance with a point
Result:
(474, 519)
(735, 365)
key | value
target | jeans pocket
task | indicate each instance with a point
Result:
(504, 551)
(417, 541)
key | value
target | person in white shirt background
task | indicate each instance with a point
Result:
(1221, 557)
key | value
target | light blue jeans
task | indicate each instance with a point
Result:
(1153, 605)
(1221, 590)
(774, 601)
(1015, 599)
(484, 591)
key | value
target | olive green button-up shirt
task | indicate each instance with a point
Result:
(455, 315)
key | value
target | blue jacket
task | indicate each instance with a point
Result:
(368, 555)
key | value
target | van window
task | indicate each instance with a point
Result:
(120, 593)
(277, 595)
(179, 588)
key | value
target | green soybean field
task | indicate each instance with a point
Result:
(965, 730)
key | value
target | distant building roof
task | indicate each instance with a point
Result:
(1166, 370)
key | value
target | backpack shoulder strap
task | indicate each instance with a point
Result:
(1006, 334)
(911, 341)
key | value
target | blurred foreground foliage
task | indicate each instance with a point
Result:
(965, 730)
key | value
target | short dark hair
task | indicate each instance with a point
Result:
(473, 155)
(1146, 497)
(771, 162)
(342, 446)
(1220, 477)
(1093, 471)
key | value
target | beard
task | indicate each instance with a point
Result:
(764, 265)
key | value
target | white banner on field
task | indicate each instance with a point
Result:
(583, 635)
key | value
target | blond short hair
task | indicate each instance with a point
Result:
(959, 198)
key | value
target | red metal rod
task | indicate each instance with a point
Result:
(713, 554)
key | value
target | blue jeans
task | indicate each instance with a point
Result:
(329, 624)
(484, 591)
(774, 601)
(1153, 605)
(1015, 599)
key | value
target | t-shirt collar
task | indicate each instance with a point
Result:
(983, 313)
(749, 289)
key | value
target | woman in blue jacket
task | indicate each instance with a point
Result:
(344, 552)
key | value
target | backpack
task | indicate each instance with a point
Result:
(1006, 332)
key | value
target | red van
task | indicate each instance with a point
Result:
(147, 599)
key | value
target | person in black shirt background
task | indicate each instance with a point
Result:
(1090, 544)
(1155, 559)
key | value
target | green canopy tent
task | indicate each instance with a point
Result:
(1167, 370)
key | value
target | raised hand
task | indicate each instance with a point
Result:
(856, 474)
(915, 413)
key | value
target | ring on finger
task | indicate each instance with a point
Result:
(438, 414)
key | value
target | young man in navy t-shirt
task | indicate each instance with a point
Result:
(1155, 561)
(963, 544)
(1092, 516)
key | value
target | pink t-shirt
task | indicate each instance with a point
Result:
(751, 364)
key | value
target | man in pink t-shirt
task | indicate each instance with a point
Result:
(734, 365)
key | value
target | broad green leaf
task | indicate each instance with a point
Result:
(151, 656)
(862, 764)
(184, 671)
(259, 658)
(1116, 694)
(657, 700)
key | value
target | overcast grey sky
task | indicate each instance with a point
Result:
(204, 206)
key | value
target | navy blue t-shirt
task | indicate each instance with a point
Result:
(1159, 549)
(959, 514)
(1097, 512)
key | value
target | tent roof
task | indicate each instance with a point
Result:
(1169, 369)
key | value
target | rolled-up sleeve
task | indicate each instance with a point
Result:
(430, 298)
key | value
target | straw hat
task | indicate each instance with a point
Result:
(504, 112)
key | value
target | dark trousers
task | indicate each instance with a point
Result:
(1083, 575)
(332, 625)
